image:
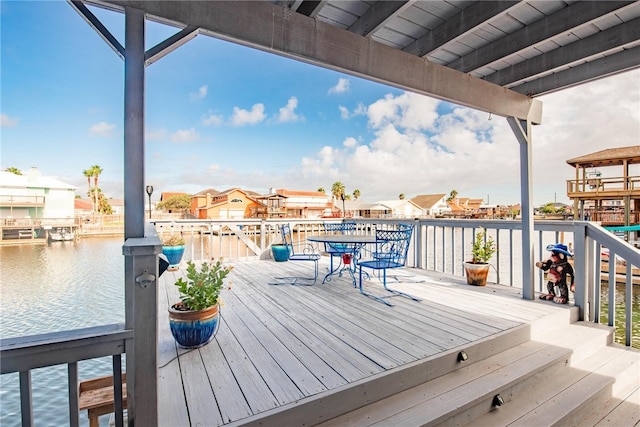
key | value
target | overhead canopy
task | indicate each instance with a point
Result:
(494, 56)
(609, 157)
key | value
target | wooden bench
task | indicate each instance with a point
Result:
(96, 396)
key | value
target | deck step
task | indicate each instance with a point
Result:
(578, 392)
(467, 390)
(570, 375)
(394, 382)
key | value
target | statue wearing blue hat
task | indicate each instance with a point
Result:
(557, 268)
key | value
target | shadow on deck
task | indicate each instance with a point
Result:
(304, 355)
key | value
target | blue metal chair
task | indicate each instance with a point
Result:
(397, 277)
(338, 249)
(390, 252)
(305, 252)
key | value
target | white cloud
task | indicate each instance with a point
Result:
(344, 112)
(102, 129)
(415, 150)
(343, 86)
(200, 94)
(350, 142)
(185, 135)
(244, 117)
(212, 120)
(8, 122)
(288, 112)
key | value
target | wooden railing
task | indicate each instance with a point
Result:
(600, 185)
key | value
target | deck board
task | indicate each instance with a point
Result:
(280, 344)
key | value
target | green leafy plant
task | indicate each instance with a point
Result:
(173, 240)
(483, 248)
(203, 285)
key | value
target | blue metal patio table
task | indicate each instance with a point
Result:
(354, 242)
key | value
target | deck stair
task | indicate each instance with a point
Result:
(565, 373)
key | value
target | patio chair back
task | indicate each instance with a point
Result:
(341, 228)
(307, 253)
(392, 247)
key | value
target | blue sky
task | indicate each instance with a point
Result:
(220, 115)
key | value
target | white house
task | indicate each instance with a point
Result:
(432, 204)
(33, 196)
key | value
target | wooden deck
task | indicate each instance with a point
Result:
(285, 346)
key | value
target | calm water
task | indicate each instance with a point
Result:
(56, 287)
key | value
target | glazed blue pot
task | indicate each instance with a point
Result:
(173, 254)
(193, 329)
(280, 253)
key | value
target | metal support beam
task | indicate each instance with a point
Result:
(265, 26)
(522, 130)
(134, 77)
(95, 23)
(134, 210)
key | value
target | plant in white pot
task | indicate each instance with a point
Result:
(195, 319)
(483, 248)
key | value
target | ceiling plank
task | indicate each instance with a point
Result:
(597, 44)
(277, 30)
(617, 63)
(560, 22)
(464, 21)
(376, 16)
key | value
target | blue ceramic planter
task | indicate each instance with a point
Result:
(280, 253)
(193, 329)
(173, 254)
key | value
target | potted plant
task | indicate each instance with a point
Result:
(477, 269)
(194, 319)
(280, 252)
(173, 248)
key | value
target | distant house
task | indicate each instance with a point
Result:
(465, 207)
(432, 204)
(284, 203)
(117, 206)
(233, 203)
(395, 209)
(33, 196)
(201, 200)
(83, 208)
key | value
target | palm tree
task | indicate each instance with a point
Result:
(401, 196)
(13, 170)
(321, 190)
(337, 190)
(356, 194)
(452, 195)
(89, 173)
(96, 171)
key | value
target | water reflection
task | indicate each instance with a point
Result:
(61, 286)
(57, 287)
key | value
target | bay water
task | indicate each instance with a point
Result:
(57, 287)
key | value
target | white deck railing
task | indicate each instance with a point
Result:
(438, 245)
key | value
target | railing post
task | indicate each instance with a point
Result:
(141, 315)
(580, 255)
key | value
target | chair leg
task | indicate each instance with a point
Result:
(396, 292)
(375, 297)
(299, 280)
(381, 298)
